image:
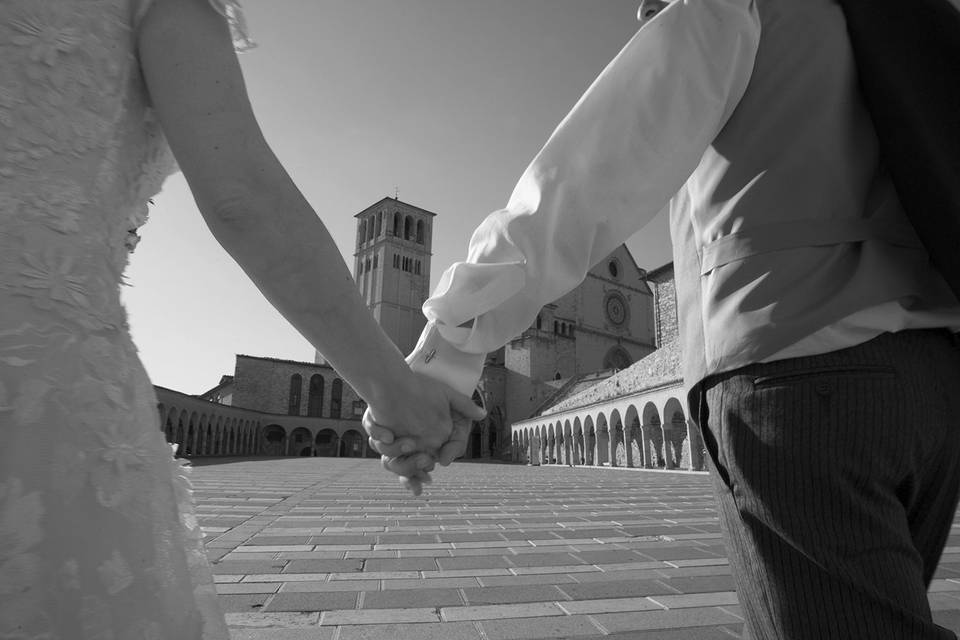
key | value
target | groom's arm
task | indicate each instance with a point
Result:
(612, 164)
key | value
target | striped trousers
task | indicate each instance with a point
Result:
(837, 477)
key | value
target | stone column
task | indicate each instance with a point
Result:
(613, 438)
(628, 444)
(695, 444)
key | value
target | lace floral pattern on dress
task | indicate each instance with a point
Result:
(98, 538)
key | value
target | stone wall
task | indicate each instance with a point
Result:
(665, 304)
(263, 384)
(660, 367)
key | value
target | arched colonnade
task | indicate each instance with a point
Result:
(648, 430)
(208, 429)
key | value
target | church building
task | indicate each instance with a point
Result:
(305, 408)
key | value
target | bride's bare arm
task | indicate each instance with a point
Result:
(260, 217)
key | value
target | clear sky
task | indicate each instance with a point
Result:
(446, 100)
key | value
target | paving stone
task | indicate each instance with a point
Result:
(609, 605)
(670, 619)
(608, 557)
(252, 587)
(500, 548)
(477, 562)
(323, 566)
(716, 598)
(696, 633)
(378, 616)
(244, 602)
(278, 540)
(333, 585)
(396, 598)
(273, 620)
(498, 611)
(244, 568)
(437, 631)
(544, 560)
(469, 537)
(400, 564)
(700, 584)
(431, 583)
(512, 594)
(615, 589)
(283, 634)
(312, 601)
(509, 581)
(533, 628)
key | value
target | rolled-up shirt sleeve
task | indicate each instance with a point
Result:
(612, 164)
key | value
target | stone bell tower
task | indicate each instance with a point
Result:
(392, 266)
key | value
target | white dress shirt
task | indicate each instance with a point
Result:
(611, 165)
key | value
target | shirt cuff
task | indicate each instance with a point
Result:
(438, 359)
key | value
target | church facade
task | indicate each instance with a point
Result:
(305, 408)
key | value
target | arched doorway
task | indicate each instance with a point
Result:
(351, 444)
(325, 444)
(301, 443)
(274, 440)
(475, 447)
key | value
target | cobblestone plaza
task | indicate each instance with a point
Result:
(333, 549)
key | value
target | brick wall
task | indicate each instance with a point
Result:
(263, 384)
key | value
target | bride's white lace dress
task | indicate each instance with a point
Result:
(98, 540)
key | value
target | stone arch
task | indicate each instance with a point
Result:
(201, 432)
(168, 430)
(578, 451)
(408, 228)
(652, 437)
(620, 454)
(589, 441)
(300, 443)
(633, 435)
(189, 445)
(362, 236)
(420, 229)
(677, 453)
(551, 444)
(396, 224)
(370, 229)
(536, 455)
(181, 433)
(218, 436)
(242, 438)
(568, 446)
(351, 444)
(475, 441)
(603, 440)
(274, 441)
(379, 223)
(326, 443)
(208, 439)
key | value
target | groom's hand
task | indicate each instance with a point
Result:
(431, 423)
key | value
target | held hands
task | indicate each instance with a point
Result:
(429, 424)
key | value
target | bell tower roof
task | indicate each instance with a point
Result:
(393, 201)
